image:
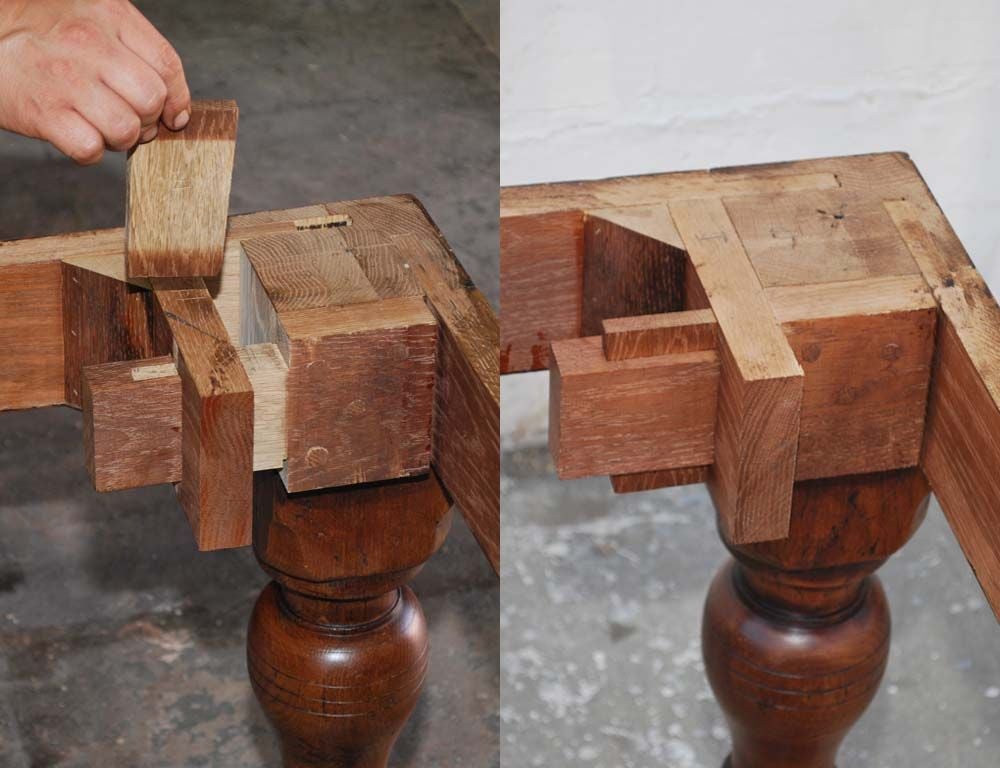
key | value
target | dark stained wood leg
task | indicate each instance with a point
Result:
(796, 632)
(337, 645)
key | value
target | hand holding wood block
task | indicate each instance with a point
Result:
(178, 196)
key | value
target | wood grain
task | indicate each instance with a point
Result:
(627, 338)
(662, 478)
(217, 417)
(760, 393)
(132, 423)
(106, 320)
(31, 335)
(962, 438)
(633, 264)
(614, 417)
(178, 195)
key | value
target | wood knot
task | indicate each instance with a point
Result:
(317, 456)
(891, 352)
(811, 353)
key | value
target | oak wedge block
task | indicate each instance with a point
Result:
(178, 196)
(216, 489)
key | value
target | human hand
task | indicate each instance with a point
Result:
(87, 74)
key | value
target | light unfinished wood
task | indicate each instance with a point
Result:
(178, 196)
(132, 423)
(216, 489)
(760, 392)
(651, 335)
(268, 374)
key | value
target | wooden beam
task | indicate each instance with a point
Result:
(216, 491)
(465, 451)
(760, 393)
(31, 335)
(613, 417)
(635, 482)
(132, 423)
(369, 362)
(178, 195)
(961, 449)
(132, 413)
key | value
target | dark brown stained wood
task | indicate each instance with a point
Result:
(338, 619)
(760, 392)
(31, 334)
(651, 335)
(961, 447)
(796, 633)
(132, 423)
(217, 420)
(360, 392)
(106, 320)
(178, 196)
(663, 478)
(537, 311)
(466, 448)
(615, 417)
(633, 265)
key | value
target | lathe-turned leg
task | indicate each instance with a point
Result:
(337, 646)
(796, 632)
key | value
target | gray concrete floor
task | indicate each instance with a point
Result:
(600, 621)
(120, 645)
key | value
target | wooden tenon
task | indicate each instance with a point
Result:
(759, 326)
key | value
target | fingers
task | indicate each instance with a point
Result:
(142, 38)
(74, 136)
(110, 114)
(139, 85)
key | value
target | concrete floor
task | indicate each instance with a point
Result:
(120, 645)
(601, 661)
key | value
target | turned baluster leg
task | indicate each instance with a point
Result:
(796, 632)
(337, 645)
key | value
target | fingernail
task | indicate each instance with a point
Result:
(181, 120)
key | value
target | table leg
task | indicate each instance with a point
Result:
(796, 632)
(337, 646)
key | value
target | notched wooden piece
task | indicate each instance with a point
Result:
(132, 423)
(178, 196)
(216, 489)
(635, 482)
(613, 417)
(760, 394)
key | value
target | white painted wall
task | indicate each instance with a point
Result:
(592, 89)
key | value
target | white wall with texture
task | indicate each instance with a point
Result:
(592, 89)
